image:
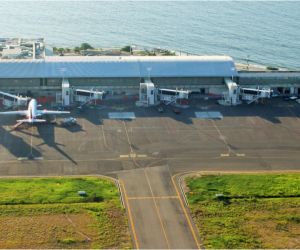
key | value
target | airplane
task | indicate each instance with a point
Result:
(32, 113)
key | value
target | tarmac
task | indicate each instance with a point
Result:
(147, 152)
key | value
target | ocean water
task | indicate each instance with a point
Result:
(266, 32)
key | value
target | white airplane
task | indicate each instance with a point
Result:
(32, 113)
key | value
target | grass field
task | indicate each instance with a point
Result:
(49, 213)
(55, 190)
(249, 211)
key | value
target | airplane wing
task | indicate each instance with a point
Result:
(53, 112)
(17, 112)
(10, 95)
(31, 120)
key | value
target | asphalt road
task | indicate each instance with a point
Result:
(146, 152)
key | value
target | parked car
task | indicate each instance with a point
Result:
(290, 98)
(176, 111)
(160, 109)
(69, 121)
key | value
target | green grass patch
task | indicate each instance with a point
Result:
(56, 190)
(256, 211)
(243, 186)
(67, 241)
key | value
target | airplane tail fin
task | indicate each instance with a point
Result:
(31, 121)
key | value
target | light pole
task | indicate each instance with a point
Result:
(63, 87)
(62, 72)
(248, 62)
(149, 70)
(131, 49)
(232, 71)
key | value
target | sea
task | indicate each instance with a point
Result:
(262, 32)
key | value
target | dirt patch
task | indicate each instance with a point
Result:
(275, 232)
(277, 235)
(47, 231)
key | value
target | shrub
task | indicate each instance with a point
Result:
(168, 53)
(76, 49)
(126, 48)
(272, 68)
(85, 46)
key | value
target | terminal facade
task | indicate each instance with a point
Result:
(115, 75)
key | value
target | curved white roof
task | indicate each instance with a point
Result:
(114, 66)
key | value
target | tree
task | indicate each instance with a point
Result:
(60, 51)
(76, 49)
(168, 53)
(272, 68)
(126, 48)
(85, 46)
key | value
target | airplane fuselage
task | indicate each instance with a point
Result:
(32, 110)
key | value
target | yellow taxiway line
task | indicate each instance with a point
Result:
(186, 213)
(157, 211)
(129, 214)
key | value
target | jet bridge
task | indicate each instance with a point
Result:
(150, 95)
(85, 96)
(170, 96)
(251, 95)
(235, 94)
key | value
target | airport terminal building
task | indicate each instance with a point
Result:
(123, 75)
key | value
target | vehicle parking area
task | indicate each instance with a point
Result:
(265, 136)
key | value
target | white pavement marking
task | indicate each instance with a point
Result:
(222, 137)
(133, 155)
(224, 155)
(104, 138)
(142, 156)
(121, 115)
(28, 158)
(209, 115)
(129, 143)
(124, 156)
(38, 158)
(22, 158)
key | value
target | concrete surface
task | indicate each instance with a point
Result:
(159, 219)
(144, 153)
